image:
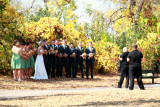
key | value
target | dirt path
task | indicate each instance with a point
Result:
(12, 94)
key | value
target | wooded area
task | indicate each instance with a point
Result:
(131, 22)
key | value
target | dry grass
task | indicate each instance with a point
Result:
(115, 97)
(121, 97)
(7, 83)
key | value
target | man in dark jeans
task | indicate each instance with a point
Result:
(124, 68)
(134, 58)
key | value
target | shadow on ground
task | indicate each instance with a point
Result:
(118, 103)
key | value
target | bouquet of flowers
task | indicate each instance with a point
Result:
(34, 50)
(60, 55)
(56, 52)
(30, 53)
(45, 52)
(51, 50)
(84, 55)
(25, 56)
(90, 55)
(65, 55)
(73, 55)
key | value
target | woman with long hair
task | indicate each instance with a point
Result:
(17, 61)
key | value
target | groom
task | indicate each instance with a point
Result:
(46, 57)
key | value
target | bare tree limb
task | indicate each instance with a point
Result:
(117, 11)
(140, 5)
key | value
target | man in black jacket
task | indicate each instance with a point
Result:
(124, 68)
(72, 61)
(90, 54)
(134, 58)
(46, 57)
(79, 59)
(64, 50)
(52, 59)
(57, 59)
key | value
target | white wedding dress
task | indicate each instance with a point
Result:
(40, 70)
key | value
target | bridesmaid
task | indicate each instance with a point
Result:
(27, 61)
(32, 64)
(30, 61)
(24, 72)
(17, 61)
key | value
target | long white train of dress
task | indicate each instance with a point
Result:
(40, 70)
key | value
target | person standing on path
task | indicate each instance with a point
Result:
(124, 68)
(134, 58)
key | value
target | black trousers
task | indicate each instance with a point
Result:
(124, 73)
(65, 63)
(52, 65)
(79, 62)
(135, 72)
(47, 64)
(89, 63)
(72, 63)
(58, 66)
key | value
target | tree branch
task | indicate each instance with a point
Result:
(140, 5)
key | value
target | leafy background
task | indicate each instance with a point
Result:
(132, 22)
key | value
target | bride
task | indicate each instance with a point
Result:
(40, 70)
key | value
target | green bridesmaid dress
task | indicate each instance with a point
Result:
(17, 62)
(27, 63)
(32, 62)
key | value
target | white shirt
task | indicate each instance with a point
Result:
(90, 48)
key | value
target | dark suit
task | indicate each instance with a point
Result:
(89, 61)
(72, 63)
(47, 60)
(64, 61)
(58, 62)
(79, 60)
(52, 62)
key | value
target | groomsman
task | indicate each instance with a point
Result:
(79, 59)
(46, 57)
(72, 61)
(52, 59)
(64, 50)
(57, 59)
(90, 53)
